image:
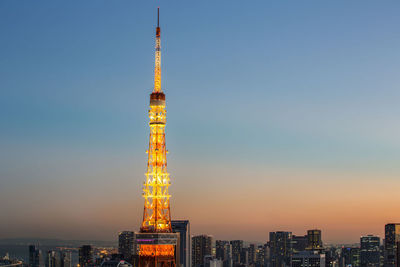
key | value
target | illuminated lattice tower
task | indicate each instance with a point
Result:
(156, 240)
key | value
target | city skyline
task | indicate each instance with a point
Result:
(280, 117)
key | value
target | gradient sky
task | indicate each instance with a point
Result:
(282, 115)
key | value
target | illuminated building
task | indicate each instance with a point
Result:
(308, 259)
(280, 249)
(370, 251)
(156, 240)
(392, 245)
(314, 240)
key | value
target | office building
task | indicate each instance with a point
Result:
(85, 255)
(182, 227)
(308, 259)
(349, 256)
(370, 251)
(34, 256)
(53, 259)
(280, 249)
(252, 254)
(314, 240)
(66, 258)
(391, 246)
(237, 247)
(299, 243)
(201, 247)
(126, 245)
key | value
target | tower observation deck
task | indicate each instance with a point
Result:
(156, 240)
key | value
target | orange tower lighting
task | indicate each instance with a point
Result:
(156, 240)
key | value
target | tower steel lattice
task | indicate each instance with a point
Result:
(156, 240)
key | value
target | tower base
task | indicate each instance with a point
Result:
(157, 249)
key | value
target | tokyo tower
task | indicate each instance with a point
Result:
(156, 241)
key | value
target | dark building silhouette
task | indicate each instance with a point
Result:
(126, 245)
(201, 247)
(280, 249)
(261, 255)
(370, 251)
(34, 256)
(53, 259)
(349, 256)
(65, 259)
(237, 247)
(183, 228)
(85, 255)
(251, 254)
(223, 252)
(391, 246)
(299, 243)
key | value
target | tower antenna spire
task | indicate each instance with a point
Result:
(157, 68)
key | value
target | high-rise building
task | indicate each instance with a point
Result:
(280, 249)
(252, 254)
(349, 256)
(126, 245)
(183, 228)
(85, 255)
(53, 259)
(244, 256)
(223, 252)
(66, 258)
(314, 240)
(392, 242)
(156, 241)
(237, 247)
(370, 251)
(210, 261)
(308, 259)
(299, 243)
(260, 256)
(34, 256)
(201, 247)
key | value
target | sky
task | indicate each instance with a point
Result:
(281, 116)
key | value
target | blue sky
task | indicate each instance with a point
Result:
(260, 95)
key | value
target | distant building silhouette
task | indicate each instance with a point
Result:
(237, 247)
(66, 258)
(85, 255)
(223, 252)
(53, 259)
(34, 256)
(299, 243)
